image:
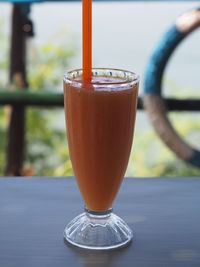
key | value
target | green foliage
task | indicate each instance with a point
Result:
(3, 141)
(150, 157)
(3, 55)
(47, 64)
(46, 150)
(46, 145)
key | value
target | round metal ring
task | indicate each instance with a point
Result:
(153, 101)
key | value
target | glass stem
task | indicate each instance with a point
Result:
(98, 214)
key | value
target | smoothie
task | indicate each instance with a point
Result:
(100, 118)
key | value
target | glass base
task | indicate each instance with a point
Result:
(98, 230)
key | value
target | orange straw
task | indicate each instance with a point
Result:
(87, 39)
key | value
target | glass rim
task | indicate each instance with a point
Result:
(135, 78)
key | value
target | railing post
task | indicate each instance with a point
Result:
(18, 79)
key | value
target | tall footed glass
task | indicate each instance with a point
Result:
(100, 118)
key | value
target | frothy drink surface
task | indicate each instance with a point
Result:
(100, 123)
(103, 84)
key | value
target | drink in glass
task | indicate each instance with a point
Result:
(100, 118)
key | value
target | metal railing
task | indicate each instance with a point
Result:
(22, 28)
(50, 100)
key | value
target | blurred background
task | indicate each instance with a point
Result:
(124, 35)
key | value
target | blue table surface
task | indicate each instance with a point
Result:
(162, 212)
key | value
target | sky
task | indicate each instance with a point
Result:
(124, 34)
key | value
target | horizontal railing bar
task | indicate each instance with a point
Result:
(41, 1)
(28, 98)
(182, 104)
(49, 99)
(178, 105)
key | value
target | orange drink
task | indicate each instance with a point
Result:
(100, 118)
(100, 123)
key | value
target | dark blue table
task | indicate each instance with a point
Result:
(163, 213)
